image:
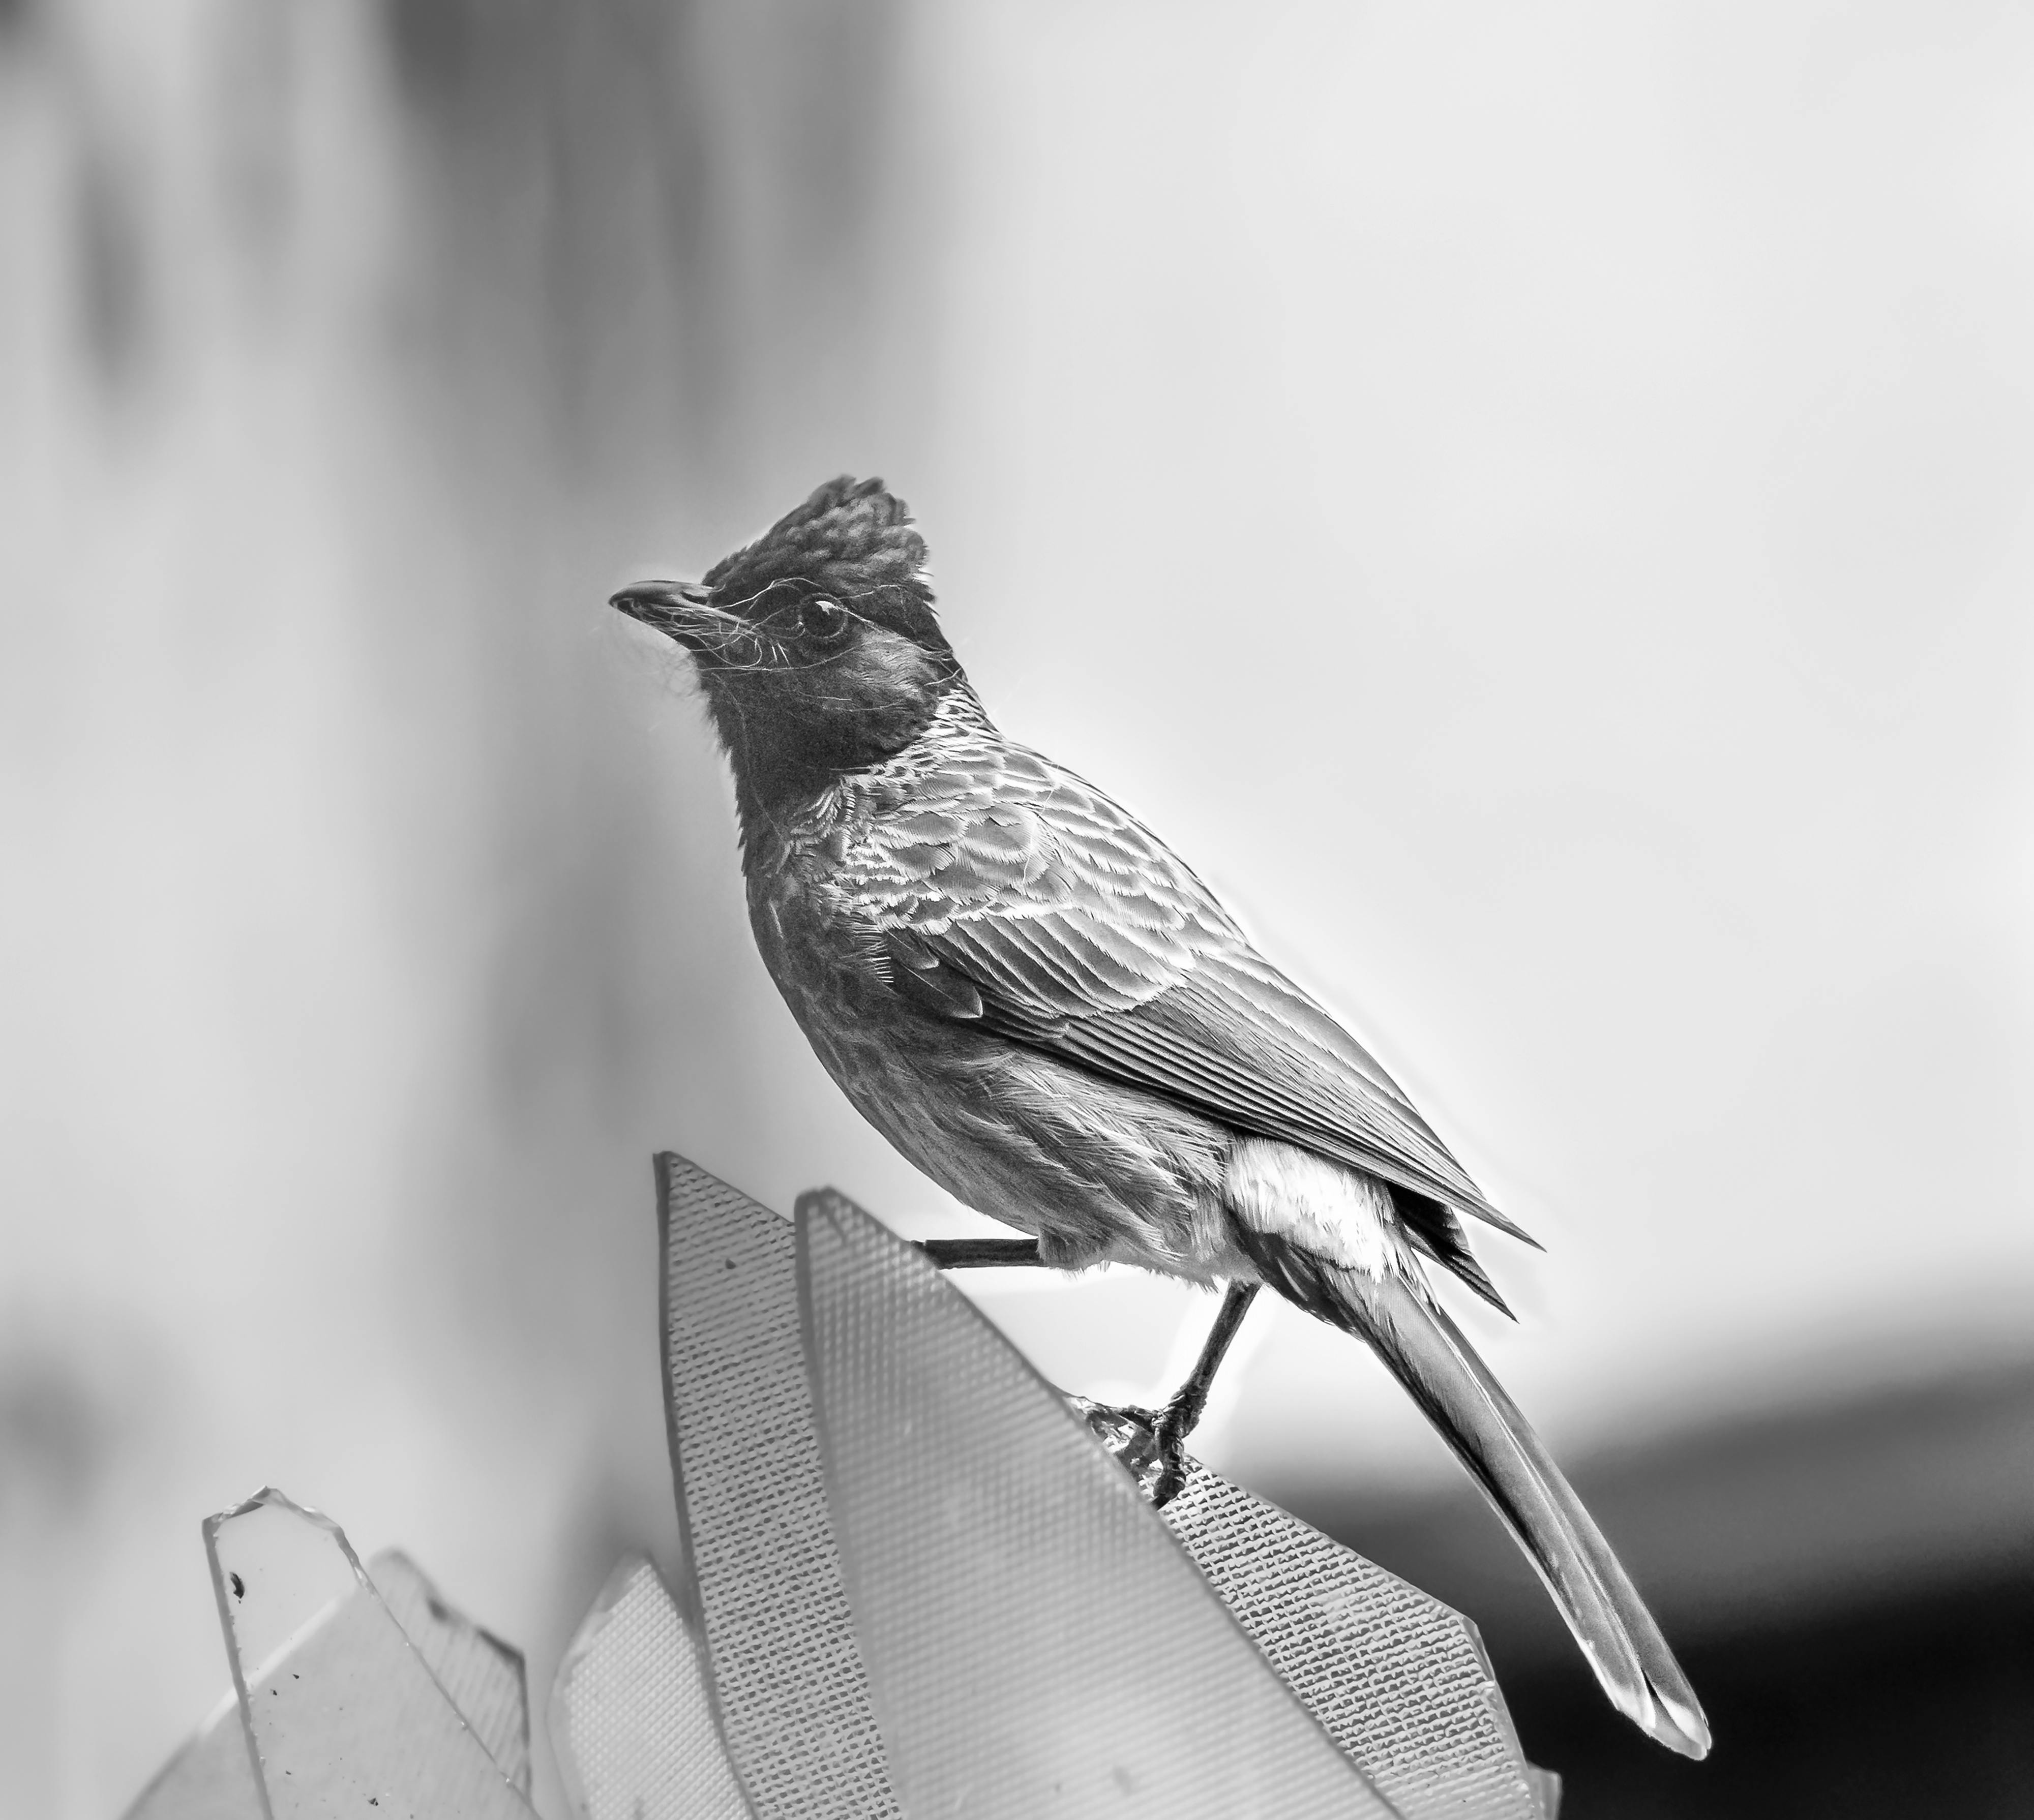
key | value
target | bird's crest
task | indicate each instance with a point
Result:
(853, 540)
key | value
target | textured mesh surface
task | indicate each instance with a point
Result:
(794, 1697)
(482, 1676)
(344, 1714)
(1037, 1642)
(1400, 1680)
(629, 1715)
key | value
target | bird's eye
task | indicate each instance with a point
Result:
(822, 619)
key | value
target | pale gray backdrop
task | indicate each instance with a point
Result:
(1532, 501)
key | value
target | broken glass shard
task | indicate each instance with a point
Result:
(1036, 1640)
(787, 1672)
(212, 1776)
(481, 1674)
(630, 1717)
(342, 1712)
(1399, 1680)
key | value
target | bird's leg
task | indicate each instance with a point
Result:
(1147, 1443)
(973, 1253)
(1179, 1416)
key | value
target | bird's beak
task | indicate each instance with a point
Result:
(677, 608)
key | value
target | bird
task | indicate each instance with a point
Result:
(1048, 1011)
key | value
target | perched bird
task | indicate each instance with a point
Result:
(1033, 999)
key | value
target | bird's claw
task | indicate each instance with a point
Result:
(1141, 1443)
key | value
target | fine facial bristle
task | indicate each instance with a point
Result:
(852, 537)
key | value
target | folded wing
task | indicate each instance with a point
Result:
(1023, 900)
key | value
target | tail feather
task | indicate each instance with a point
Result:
(1429, 1356)
(1670, 1687)
(1437, 1230)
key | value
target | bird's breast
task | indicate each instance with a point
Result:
(1097, 1169)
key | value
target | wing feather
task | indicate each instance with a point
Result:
(1057, 920)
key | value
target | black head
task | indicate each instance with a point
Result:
(817, 644)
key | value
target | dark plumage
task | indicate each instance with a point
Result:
(1040, 1006)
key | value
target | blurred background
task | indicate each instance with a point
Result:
(1532, 501)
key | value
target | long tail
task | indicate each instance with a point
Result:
(1427, 1352)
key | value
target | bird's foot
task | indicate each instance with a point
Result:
(1152, 1444)
(1141, 1443)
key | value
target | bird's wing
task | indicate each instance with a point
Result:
(1013, 896)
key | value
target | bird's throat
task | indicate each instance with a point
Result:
(783, 765)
